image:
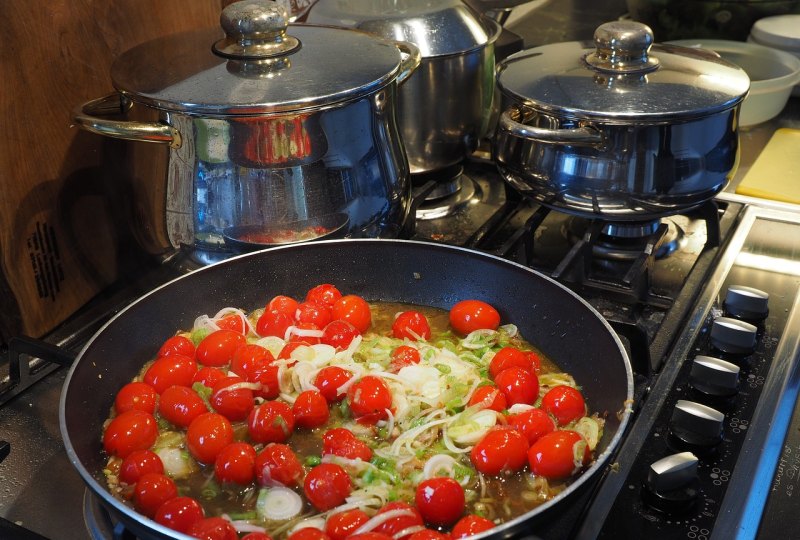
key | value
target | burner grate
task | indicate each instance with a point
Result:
(29, 360)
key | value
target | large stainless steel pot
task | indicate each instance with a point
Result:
(624, 130)
(266, 128)
(446, 107)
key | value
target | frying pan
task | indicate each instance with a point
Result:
(550, 316)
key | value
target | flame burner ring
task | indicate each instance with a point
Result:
(625, 241)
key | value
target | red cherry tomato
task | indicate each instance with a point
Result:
(267, 376)
(558, 454)
(371, 535)
(274, 323)
(213, 528)
(136, 395)
(339, 334)
(311, 312)
(173, 370)
(428, 534)
(179, 513)
(129, 431)
(411, 325)
(272, 421)
(324, 294)
(236, 464)
(565, 403)
(470, 525)
(289, 348)
(233, 403)
(342, 524)
(490, 397)
(369, 397)
(177, 345)
(326, 486)
(329, 380)
(470, 315)
(283, 304)
(249, 358)
(518, 385)
(217, 348)
(355, 310)
(256, 536)
(310, 410)
(180, 405)
(207, 435)
(440, 501)
(137, 463)
(277, 463)
(208, 376)
(536, 362)
(533, 424)
(500, 450)
(409, 518)
(403, 356)
(151, 491)
(297, 333)
(234, 322)
(308, 533)
(343, 443)
(508, 357)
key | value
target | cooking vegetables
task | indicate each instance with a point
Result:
(387, 420)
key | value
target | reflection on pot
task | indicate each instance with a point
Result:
(284, 141)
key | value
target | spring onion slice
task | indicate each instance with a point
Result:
(278, 504)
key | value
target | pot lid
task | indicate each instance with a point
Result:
(437, 27)
(624, 76)
(260, 64)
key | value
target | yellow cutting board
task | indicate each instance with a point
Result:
(776, 172)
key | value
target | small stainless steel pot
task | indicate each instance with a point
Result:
(625, 130)
(264, 128)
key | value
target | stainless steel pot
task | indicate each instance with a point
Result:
(446, 107)
(265, 129)
(625, 130)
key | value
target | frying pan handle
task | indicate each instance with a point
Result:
(582, 136)
(86, 117)
(410, 61)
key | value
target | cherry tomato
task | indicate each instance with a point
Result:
(500, 450)
(283, 304)
(565, 403)
(326, 486)
(428, 534)
(403, 356)
(558, 454)
(343, 443)
(267, 375)
(509, 357)
(310, 410)
(129, 431)
(536, 362)
(470, 525)
(151, 491)
(179, 513)
(329, 380)
(180, 405)
(490, 397)
(137, 463)
(339, 334)
(177, 345)
(370, 535)
(256, 536)
(136, 395)
(213, 528)
(297, 333)
(208, 376)
(217, 348)
(470, 315)
(308, 533)
(410, 518)
(234, 404)
(518, 385)
(236, 464)
(324, 294)
(289, 348)
(411, 325)
(369, 397)
(440, 501)
(311, 312)
(234, 322)
(173, 370)
(207, 435)
(249, 358)
(533, 424)
(272, 421)
(274, 323)
(277, 463)
(355, 310)
(342, 524)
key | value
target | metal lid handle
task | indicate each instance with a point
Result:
(255, 29)
(622, 47)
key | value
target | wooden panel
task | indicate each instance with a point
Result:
(63, 232)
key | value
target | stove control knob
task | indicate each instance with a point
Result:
(746, 302)
(713, 376)
(671, 484)
(696, 424)
(733, 336)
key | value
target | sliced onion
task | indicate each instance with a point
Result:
(518, 408)
(437, 463)
(244, 384)
(383, 517)
(408, 531)
(302, 332)
(310, 523)
(278, 504)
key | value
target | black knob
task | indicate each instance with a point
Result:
(696, 425)
(746, 302)
(733, 336)
(714, 376)
(672, 484)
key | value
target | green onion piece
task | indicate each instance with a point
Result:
(443, 368)
(313, 461)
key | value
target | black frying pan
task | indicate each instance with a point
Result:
(556, 320)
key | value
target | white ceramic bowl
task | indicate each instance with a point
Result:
(772, 74)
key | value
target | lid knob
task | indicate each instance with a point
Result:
(255, 29)
(622, 47)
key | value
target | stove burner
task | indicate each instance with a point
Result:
(625, 241)
(459, 192)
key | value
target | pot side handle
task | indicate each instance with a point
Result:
(410, 61)
(583, 136)
(86, 117)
